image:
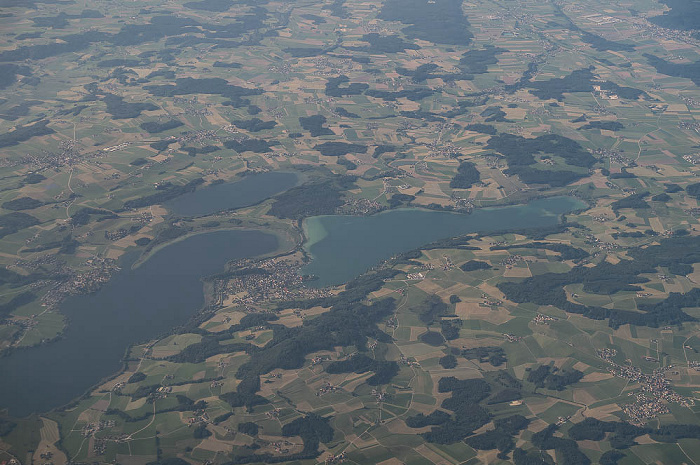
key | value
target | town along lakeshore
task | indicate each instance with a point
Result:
(342, 247)
(134, 306)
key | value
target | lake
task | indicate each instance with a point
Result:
(343, 247)
(134, 306)
(165, 291)
(249, 190)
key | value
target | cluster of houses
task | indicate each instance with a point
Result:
(655, 389)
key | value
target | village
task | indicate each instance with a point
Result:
(655, 390)
(255, 282)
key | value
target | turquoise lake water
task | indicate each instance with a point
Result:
(343, 247)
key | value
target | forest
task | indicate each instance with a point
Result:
(24, 133)
(520, 154)
(254, 124)
(249, 145)
(212, 86)
(385, 44)
(501, 437)
(153, 127)
(684, 15)
(464, 402)
(317, 198)
(10, 223)
(581, 80)
(314, 124)
(119, 109)
(337, 149)
(493, 355)
(548, 377)
(481, 128)
(677, 254)
(431, 309)
(467, 175)
(441, 22)
(414, 95)
(334, 89)
(566, 252)
(566, 448)
(22, 203)
(635, 200)
(474, 265)
(624, 434)
(604, 125)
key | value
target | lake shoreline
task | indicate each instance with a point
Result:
(339, 245)
(283, 248)
(212, 194)
(301, 236)
(174, 299)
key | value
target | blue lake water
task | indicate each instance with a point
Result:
(136, 305)
(343, 247)
(247, 191)
(166, 290)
